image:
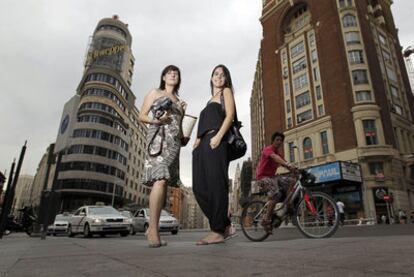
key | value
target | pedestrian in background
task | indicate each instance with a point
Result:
(163, 145)
(210, 156)
(341, 207)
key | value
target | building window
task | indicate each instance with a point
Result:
(387, 57)
(291, 152)
(299, 65)
(391, 74)
(324, 142)
(307, 149)
(285, 72)
(370, 132)
(312, 40)
(314, 56)
(382, 40)
(360, 77)
(318, 93)
(284, 57)
(287, 88)
(289, 122)
(301, 81)
(376, 168)
(288, 106)
(356, 57)
(352, 38)
(304, 116)
(297, 49)
(394, 92)
(316, 74)
(302, 100)
(321, 110)
(363, 95)
(398, 109)
(349, 21)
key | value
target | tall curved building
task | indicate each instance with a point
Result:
(100, 142)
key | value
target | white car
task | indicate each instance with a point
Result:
(167, 222)
(128, 214)
(102, 220)
(60, 225)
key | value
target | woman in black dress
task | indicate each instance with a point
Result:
(210, 157)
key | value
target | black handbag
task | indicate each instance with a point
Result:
(237, 146)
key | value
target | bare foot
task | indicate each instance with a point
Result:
(211, 238)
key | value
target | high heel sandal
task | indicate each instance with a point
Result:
(153, 243)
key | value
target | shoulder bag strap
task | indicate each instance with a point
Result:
(224, 110)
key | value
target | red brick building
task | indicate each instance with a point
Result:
(331, 75)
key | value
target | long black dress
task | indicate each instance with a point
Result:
(210, 169)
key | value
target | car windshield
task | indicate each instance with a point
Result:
(102, 211)
(164, 213)
(126, 213)
(60, 217)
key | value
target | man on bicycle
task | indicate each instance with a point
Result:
(275, 186)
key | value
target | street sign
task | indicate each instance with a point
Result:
(387, 198)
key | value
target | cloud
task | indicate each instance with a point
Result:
(44, 44)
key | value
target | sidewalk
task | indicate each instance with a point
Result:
(390, 255)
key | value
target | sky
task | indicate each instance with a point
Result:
(44, 43)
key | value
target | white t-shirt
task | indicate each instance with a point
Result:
(341, 207)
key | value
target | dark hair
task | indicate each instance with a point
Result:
(278, 134)
(165, 71)
(228, 83)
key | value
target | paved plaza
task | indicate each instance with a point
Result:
(381, 250)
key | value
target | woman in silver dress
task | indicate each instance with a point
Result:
(163, 145)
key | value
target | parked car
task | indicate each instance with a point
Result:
(133, 220)
(168, 223)
(60, 225)
(102, 220)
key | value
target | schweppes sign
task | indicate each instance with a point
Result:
(106, 52)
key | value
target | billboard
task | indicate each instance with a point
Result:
(67, 123)
(107, 52)
(336, 171)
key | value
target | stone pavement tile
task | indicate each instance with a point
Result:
(76, 265)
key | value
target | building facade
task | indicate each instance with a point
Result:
(333, 79)
(100, 146)
(22, 193)
(409, 64)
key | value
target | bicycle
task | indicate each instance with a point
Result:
(315, 214)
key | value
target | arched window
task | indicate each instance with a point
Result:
(349, 21)
(307, 148)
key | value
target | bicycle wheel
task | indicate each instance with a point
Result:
(252, 216)
(320, 219)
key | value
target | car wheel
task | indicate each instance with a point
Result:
(124, 234)
(54, 234)
(174, 232)
(70, 233)
(87, 231)
(102, 235)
